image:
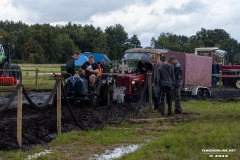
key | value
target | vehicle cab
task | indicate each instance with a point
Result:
(130, 78)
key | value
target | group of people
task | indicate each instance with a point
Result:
(167, 82)
(166, 75)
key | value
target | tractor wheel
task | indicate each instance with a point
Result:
(16, 73)
(106, 96)
(93, 101)
(5, 66)
(236, 83)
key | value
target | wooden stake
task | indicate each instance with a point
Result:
(36, 82)
(59, 109)
(19, 117)
(149, 78)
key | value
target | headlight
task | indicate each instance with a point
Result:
(133, 82)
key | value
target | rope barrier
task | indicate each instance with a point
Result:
(13, 95)
(46, 103)
(70, 109)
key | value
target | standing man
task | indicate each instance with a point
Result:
(90, 69)
(156, 88)
(177, 84)
(165, 80)
(70, 66)
(215, 70)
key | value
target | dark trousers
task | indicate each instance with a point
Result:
(156, 96)
(166, 91)
(177, 98)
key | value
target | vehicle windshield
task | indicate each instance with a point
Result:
(136, 56)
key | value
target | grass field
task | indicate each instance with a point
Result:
(45, 75)
(205, 125)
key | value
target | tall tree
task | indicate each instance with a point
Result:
(116, 38)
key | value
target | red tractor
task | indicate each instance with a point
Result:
(130, 78)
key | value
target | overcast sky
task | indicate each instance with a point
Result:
(145, 18)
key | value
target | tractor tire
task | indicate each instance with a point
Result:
(16, 74)
(106, 96)
(5, 65)
(236, 83)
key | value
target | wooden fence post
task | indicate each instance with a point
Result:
(36, 82)
(149, 78)
(59, 109)
(19, 117)
(220, 79)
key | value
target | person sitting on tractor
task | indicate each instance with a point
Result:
(70, 66)
(144, 67)
(90, 70)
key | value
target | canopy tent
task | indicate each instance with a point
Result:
(100, 57)
(82, 59)
(97, 58)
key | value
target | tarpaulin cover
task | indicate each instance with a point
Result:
(197, 70)
(100, 57)
(97, 58)
(82, 59)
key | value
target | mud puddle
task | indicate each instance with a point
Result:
(36, 155)
(117, 152)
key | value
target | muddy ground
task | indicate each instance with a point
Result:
(39, 126)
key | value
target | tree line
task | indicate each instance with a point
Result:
(44, 43)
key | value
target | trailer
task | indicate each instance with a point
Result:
(230, 73)
(197, 72)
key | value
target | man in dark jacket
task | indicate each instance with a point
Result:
(70, 66)
(156, 89)
(165, 80)
(177, 84)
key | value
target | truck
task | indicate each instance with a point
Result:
(230, 73)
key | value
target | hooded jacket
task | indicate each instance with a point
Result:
(70, 66)
(165, 77)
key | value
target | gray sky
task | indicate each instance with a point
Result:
(146, 18)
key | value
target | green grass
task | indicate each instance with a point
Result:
(215, 128)
(207, 125)
(44, 80)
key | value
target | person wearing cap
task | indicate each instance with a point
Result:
(165, 80)
(177, 84)
(70, 65)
